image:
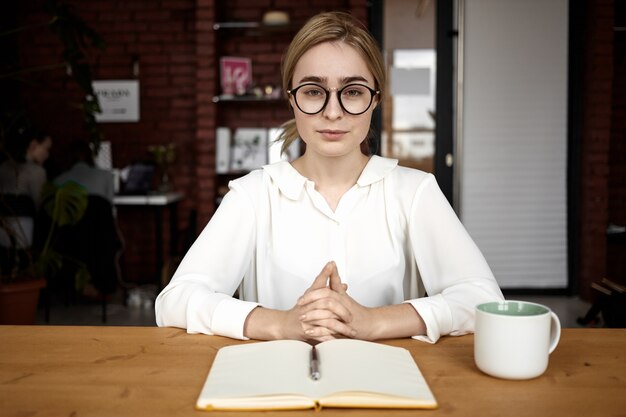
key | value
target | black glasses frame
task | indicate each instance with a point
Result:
(294, 91)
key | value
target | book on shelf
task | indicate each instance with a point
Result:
(277, 375)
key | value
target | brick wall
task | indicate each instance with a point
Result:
(177, 51)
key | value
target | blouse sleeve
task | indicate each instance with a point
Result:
(199, 296)
(454, 272)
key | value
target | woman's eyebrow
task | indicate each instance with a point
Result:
(348, 80)
(323, 80)
(312, 79)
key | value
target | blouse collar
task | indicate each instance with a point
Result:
(291, 183)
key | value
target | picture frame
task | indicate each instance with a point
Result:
(235, 75)
(249, 149)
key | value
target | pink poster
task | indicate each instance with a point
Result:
(236, 75)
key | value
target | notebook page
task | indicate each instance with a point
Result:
(257, 369)
(357, 366)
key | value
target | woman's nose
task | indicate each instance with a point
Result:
(333, 108)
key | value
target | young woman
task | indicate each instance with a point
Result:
(337, 243)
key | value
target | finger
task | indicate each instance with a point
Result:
(315, 315)
(322, 338)
(330, 327)
(315, 332)
(321, 280)
(314, 294)
(333, 305)
(335, 280)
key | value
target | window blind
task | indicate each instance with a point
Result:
(513, 169)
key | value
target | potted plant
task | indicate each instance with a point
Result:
(25, 275)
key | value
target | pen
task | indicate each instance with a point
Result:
(315, 365)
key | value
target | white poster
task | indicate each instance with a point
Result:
(119, 100)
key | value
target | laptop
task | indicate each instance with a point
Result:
(139, 181)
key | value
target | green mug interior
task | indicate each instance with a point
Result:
(513, 308)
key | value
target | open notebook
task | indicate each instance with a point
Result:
(276, 376)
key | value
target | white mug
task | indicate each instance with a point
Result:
(513, 339)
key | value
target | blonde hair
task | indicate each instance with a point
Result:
(329, 27)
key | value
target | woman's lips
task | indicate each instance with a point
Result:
(332, 133)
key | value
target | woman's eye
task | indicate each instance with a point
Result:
(314, 92)
(353, 92)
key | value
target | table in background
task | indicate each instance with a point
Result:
(158, 202)
(151, 371)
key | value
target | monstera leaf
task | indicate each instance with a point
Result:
(65, 204)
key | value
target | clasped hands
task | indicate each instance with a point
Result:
(325, 311)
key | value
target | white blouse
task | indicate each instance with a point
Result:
(393, 235)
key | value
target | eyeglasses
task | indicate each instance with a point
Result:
(354, 99)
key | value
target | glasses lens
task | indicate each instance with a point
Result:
(355, 98)
(310, 98)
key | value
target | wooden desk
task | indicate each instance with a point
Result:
(149, 371)
(158, 202)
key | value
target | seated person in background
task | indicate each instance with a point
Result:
(22, 178)
(382, 235)
(83, 171)
(98, 254)
(22, 172)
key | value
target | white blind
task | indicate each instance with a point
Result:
(514, 143)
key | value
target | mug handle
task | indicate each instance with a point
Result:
(555, 331)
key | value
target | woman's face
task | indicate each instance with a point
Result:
(38, 152)
(333, 131)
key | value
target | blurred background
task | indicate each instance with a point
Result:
(518, 108)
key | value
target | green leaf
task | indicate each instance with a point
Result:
(65, 204)
(82, 278)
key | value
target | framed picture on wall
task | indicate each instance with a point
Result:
(249, 149)
(119, 100)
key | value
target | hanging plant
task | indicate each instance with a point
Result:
(77, 40)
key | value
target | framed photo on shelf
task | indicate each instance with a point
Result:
(222, 151)
(249, 149)
(235, 75)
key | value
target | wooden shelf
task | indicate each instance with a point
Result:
(225, 98)
(235, 25)
(253, 25)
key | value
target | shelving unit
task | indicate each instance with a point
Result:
(264, 45)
